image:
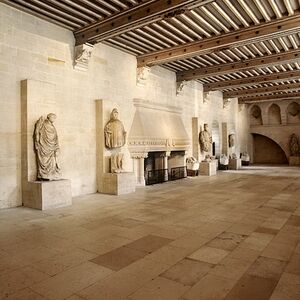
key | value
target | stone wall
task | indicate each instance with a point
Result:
(34, 49)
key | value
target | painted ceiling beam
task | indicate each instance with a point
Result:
(256, 33)
(274, 77)
(138, 16)
(241, 66)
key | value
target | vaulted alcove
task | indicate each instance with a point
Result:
(274, 115)
(293, 113)
(255, 115)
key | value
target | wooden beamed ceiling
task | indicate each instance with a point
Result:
(244, 48)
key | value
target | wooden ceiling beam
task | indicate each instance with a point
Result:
(263, 90)
(274, 77)
(273, 29)
(246, 65)
(138, 16)
(283, 96)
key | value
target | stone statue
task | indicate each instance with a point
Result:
(46, 148)
(117, 163)
(224, 160)
(115, 135)
(294, 145)
(205, 139)
(233, 156)
(231, 140)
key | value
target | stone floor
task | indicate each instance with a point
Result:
(234, 236)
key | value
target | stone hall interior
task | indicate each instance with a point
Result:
(150, 149)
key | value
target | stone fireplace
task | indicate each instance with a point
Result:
(157, 140)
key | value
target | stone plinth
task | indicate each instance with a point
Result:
(235, 163)
(118, 183)
(47, 194)
(208, 168)
(294, 160)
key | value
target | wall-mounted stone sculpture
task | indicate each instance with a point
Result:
(46, 148)
(205, 139)
(294, 145)
(231, 140)
(115, 134)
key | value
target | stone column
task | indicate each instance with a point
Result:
(165, 165)
(224, 139)
(195, 137)
(139, 165)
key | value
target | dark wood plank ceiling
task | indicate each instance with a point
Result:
(262, 62)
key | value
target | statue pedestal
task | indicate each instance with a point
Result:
(208, 168)
(47, 194)
(235, 163)
(294, 160)
(118, 183)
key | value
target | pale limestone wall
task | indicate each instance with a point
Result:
(31, 48)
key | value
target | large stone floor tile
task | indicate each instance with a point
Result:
(160, 289)
(209, 255)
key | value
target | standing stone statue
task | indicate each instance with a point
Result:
(231, 140)
(294, 145)
(115, 135)
(46, 147)
(205, 139)
(117, 163)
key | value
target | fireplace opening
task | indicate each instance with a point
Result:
(162, 166)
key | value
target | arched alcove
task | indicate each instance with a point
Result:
(266, 151)
(215, 133)
(293, 113)
(274, 115)
(255, 115)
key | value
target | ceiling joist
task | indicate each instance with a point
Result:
(273, 29)
(138, 16)
(269, 78)
(263, 90)
(246, 65)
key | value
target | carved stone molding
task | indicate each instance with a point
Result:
(179, 87)
(226, 102)
(142, 75)
(138, 155)
(83, 54)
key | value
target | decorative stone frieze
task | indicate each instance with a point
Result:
(138, 155)
(83, 54)
(142, 75)
(179, 87)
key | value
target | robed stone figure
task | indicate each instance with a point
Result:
(46, 148)
(205, 139)
(115, 135)
(294, 145)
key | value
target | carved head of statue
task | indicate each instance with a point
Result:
(114, 114)
(205, 127)
(51, 117)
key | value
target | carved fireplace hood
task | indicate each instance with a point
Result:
(157, 127)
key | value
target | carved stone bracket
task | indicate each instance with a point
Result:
(142, 75)
(83, 54)
(241, 107)
(206, 97)
(226, 102)
(179, 87)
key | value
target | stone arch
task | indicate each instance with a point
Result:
(274, 115)
(266, 150)
(293, 113)
(255, 115)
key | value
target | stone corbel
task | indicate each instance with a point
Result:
(179, 87)
(226, 102)
(142, 74)
(206, 97)
(83, 54)
(241, 106)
